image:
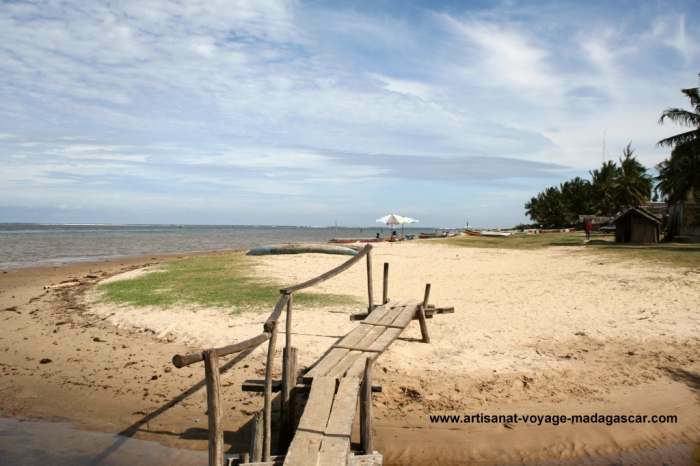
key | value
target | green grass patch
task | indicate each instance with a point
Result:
(223, 280)
(674, 254)
(542, 240)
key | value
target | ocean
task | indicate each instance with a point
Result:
(24, 245)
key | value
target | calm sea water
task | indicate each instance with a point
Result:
(23, 245)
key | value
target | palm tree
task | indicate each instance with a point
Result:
(680, 174)
(633, 186)
(603, 188)
(684, 117)
(577, 198)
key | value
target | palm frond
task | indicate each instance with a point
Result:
(680, 139)
(680, 116)
(693, 94)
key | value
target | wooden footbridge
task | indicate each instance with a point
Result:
(334, 384)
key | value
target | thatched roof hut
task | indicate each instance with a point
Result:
(637, 225)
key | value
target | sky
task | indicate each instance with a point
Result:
(321, 113)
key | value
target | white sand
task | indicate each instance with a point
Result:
(575, 318)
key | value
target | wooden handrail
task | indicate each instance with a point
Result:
(182, 360)
(330, 274)
(276, 313)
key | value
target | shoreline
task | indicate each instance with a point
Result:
(103, 379)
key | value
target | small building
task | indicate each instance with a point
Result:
(684, 218)
(637, 225)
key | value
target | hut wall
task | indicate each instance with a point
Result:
(642, 230)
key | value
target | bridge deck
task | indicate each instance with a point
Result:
(323, 435)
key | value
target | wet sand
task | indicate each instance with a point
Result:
(535, 332)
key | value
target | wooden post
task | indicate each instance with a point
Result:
(267, 411)
(370, 293)
(289, 381)
(421, 315)
(216, 434)
(256, 438)
(385, 289)
(366, 409)
(286, 377)
(288, 323)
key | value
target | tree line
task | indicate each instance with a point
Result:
(618, 185)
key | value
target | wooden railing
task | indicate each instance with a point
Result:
(262, 450)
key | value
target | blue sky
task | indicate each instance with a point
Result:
(311, 113)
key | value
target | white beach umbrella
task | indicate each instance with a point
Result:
(396, 219)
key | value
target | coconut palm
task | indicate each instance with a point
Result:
(681, 173)
(633, 186)
(603, 188)
(684, 117)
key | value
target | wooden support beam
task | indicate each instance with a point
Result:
(258, 386)
(385, 288)
(256, 437)
(216, 433)
(421, 315)
(267, 438)
(293, 392)
(288, 323)
(289, 381)
(366, 438)
(370, 292)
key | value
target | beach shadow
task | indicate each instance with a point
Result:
(691, 379)
(124, 435)
(413, 339)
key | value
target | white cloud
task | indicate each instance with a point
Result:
(509, 56)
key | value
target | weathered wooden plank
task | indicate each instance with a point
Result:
(383, 342)
(354, 337)
(406, 316)
(335, 446)
(328, 361)
(258, 386)
(366, 435)
(358, 367)
(384, 325)
(371, 336)
(344, 407)
(306, 445)
(389, 317)
(379, 312)
(339, 369)
(357, 348)
(334, 451)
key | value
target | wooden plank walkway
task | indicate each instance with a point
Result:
(323, 435)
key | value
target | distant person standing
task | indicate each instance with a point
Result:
(588, 227)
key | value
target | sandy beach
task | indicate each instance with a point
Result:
(546, 331)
